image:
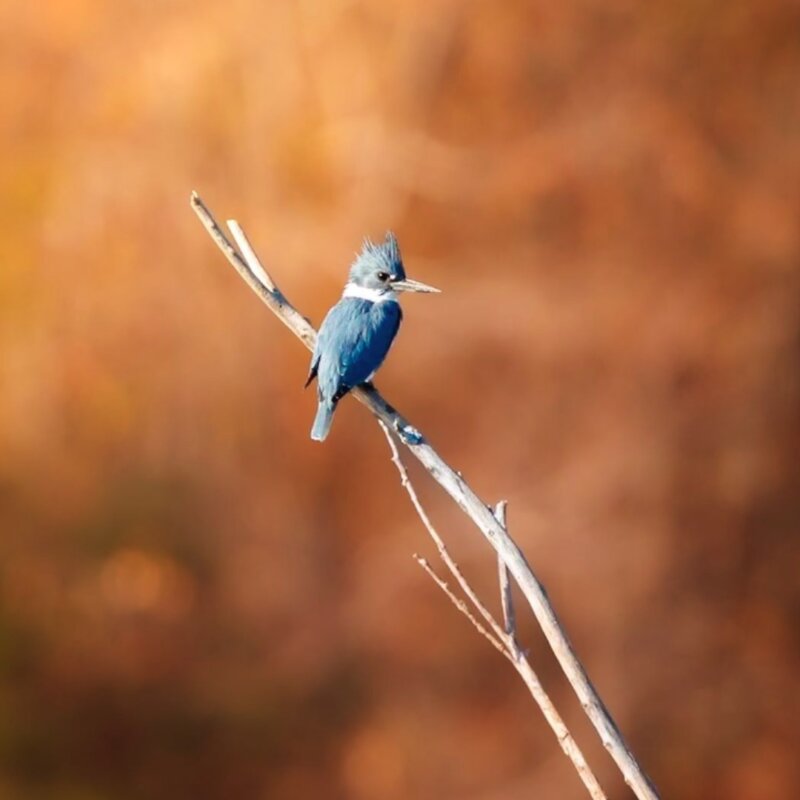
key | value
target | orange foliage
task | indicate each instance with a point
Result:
(195, 600)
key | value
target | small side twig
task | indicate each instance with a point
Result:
(249, 255)
(504, 577)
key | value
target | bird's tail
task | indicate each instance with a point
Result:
(322, 422)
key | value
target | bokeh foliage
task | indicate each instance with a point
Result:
(195, 601)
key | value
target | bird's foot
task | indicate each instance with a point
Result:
(408, 433)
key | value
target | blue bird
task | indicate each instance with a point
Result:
(358, 331)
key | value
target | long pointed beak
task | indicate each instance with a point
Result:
(408, 285)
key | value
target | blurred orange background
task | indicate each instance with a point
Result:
(196, 600)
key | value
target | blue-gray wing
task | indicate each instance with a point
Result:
(353, 341)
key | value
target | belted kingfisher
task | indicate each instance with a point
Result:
(358, 331)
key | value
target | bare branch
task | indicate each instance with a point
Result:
(475, 509)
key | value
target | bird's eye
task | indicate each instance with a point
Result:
(383, 276)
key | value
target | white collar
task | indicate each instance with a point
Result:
(375, 295)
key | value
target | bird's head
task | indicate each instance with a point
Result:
(378, 270)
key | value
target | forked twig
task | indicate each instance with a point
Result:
(437, 540)
(504, 640)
